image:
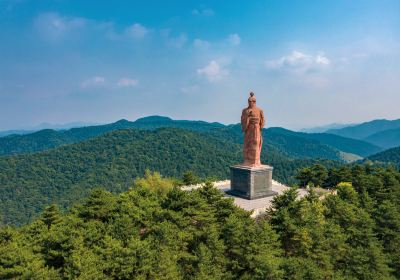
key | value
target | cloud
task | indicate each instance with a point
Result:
(127, 82)
(213, 71)
(53, 27)
(203, 12)
(234, 39)
(175, 42)
(96, 81)
(136, 31)
(201, 44)
(299, 62)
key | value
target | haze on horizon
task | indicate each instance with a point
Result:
(310, 63)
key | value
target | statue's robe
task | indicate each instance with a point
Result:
(252, 123)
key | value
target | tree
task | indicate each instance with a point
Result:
(189, 178)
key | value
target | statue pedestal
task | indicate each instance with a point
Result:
(251, 182)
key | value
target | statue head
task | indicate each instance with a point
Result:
(252, 100)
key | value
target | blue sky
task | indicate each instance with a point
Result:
(309, 62)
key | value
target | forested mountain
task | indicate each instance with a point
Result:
(387, 139)
(389, 156)
(157, 231)
(292, 143)
(324, 128)
(366, 129)
(48, 138)
(64, 175)
(348, 145)
(11, 132)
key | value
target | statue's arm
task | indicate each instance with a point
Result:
(243, 121)
(262, 120)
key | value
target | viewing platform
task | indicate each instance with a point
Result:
(257, 205)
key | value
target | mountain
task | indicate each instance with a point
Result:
(343, 144)
(289, 144)
(65, 174)
(294, 144)
(16, 131)
(387, 139)
(361, 131)
(43, 126)
(47, 139)
(389, 156)
(323, 128)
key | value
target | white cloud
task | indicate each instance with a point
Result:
(53, 27)
(201, 44)
(127, 82)
(96, 81)
(136, 31)
(299, 62)
(203, 12)
(234, 39)
(213, 71)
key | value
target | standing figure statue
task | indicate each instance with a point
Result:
(252, 123)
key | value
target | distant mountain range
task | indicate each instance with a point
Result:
(363, 130)
(387, 138)
(42, 126)
(294, 144)
(324, 128)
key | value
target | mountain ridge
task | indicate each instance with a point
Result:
(365, 129)
(285, 139)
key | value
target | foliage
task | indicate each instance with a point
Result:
(156, 232)
(65, 175)
(389, 156)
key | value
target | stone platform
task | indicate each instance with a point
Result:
(251, 182)
(256, 205)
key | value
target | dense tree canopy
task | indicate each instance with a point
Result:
(157, 231)
(66, 174)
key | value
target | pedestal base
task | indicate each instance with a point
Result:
(251, 182)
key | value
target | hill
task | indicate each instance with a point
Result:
(65, 174)
(294, 144)
(48, 138)
(387, 139)
(361, 131)
(389, 156)
(323, 128)
(347, 145)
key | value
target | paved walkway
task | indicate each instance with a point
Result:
(257, 205)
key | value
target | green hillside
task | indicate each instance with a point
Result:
(389, 156)
(48, 138)
(291, 145)
(65, 174)
(366, 129)
(298, 145)
(387, 139)
(347, 145)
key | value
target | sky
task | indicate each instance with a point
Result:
(309, 63)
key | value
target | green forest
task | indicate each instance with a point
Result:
(65, 175)
(389, 156)
(294, 144)
(154, 230)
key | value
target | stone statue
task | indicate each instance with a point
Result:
(252, 123)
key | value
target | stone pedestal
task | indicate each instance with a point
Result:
(251, 182)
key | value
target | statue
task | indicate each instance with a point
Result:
(251, 179)
(252, 123)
